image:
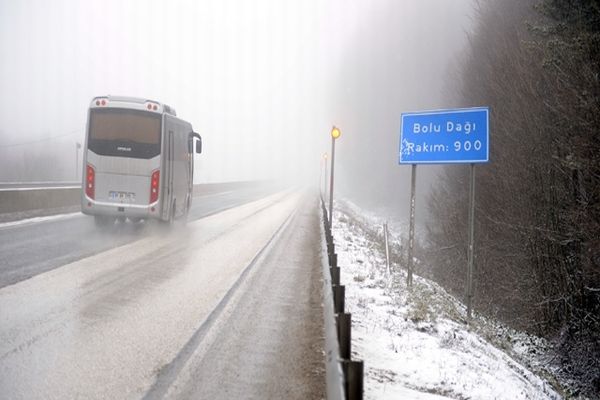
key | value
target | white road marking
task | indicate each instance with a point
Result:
(35, 220)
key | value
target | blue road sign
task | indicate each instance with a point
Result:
(445, 136)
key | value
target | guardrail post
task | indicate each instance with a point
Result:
(333, 260)
(339, 293)
(354, 373)
(330, 251)
(335, 275)
(344, 322)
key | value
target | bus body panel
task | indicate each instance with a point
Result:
(176, 167)
(116, 175)
(122, 187)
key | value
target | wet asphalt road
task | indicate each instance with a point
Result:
(228, 306)
(30, 249)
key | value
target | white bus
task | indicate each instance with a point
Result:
(138, 161)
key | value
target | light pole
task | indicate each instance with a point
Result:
(77, 147)
(335, 133)
(323, 179)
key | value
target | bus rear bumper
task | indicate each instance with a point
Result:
(91, 207)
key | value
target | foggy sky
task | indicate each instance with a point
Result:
(404, 56)
(262, 81)
(249, 75)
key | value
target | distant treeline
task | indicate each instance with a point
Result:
(536, 64)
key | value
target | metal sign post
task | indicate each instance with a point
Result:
(411, 230)
(471, 239)
(441, 137)
(387, 249)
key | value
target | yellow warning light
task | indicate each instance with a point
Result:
(335, 132)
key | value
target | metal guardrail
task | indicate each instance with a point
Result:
(20, 200)
(333, 368)
(38, 185)
(352, 376)
(22, 197)
(8, 186)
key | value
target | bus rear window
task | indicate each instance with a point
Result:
(124, 133)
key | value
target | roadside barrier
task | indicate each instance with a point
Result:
(16, 198)
(352, 370)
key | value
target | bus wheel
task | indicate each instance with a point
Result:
(185, 211)
(169, 222)
(172, 215)
(187, 208)
(103, 221)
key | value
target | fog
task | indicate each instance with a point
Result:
(262, 82)
(403, 56)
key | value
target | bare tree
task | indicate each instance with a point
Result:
(538, 200)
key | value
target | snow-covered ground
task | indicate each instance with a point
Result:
(415, 342)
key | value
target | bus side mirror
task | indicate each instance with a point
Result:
(198, 142)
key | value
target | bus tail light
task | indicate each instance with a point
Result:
(154, 182)
(90, 182)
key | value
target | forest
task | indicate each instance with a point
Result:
(536, 64)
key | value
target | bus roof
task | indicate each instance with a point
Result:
(131, 102)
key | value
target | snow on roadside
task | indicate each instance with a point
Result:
(414, 342)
